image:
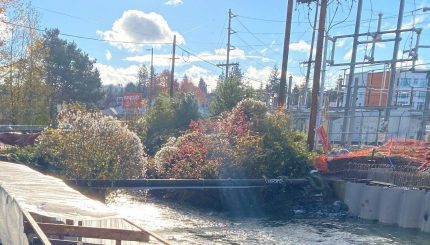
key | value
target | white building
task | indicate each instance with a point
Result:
(411, 89)
(361, 80)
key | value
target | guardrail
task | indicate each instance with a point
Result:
(185, 183)
(22, 128)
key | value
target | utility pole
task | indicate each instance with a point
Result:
(351, 74)
(308, 71)
(317, 74)
(151, 82)
(229, 48)
(283, 82)
(393, 64)
(227, 63)
(172, 72)
(290, 85)
(321, 96)
(339, 87)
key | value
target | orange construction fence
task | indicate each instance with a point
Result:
(416, 150)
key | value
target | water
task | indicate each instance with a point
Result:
(185, 225)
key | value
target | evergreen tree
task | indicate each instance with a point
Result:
(272, 87)
(70, 73)
(203, 86)
(229, 92)
(130, 88)
(143, 81)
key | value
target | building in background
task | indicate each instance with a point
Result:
(377, 89)
(361, 80)
(406, 120)
(411, 89)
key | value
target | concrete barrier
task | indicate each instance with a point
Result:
(389, 205)
(410, 208)
(424, 216)
(407, 208)
(369, 202)
(353, 197)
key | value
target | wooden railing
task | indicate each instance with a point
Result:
(42, 230)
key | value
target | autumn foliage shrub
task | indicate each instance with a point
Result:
(245, 142)
(168, 117)
(90, 145)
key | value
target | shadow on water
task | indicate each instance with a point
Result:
(318, 223)
(250, 202)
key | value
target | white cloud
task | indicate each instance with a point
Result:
(348, 55)
(257, 76)
(159, 59)
(263, 51)
(300, 46)
(265, 60)
(174, 2)
(419, 64)
(136, 27)
(340, 43)
(108, 55)
(117, 75)
(197, 72)
(218, 55)
(409, 24)
(221, 54)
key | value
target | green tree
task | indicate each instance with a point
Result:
(130, 88)
(168, 117)
(203, 86)
(143, 81)
(272, 87)
(228, 93)
(23, 92)
(70, 73)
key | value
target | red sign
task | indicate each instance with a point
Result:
(324, 139)
(132, 100)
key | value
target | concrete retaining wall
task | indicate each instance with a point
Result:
(407, 208)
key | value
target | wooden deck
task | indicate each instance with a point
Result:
(48, 211)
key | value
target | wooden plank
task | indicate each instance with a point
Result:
(34, 227)
(380, 183)
(67, 242)
(158, 238)
(91, 232)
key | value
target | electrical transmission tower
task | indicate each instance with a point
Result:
(352, 83)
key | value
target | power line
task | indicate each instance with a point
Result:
(83, 37)
(197, 56)
(252, 49)
(266, 33)
(267, 20)
(257, 38)
(306, 22)
(222, 34)
(208, 62)
(68, 15)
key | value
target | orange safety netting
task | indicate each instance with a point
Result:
(416, 150)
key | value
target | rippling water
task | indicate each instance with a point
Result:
(182, 225)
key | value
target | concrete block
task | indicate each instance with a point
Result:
(425, 214)
(389, 205)
(410, 208)
(353, 197)
(369, 202)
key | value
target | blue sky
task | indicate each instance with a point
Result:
(200, 26)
